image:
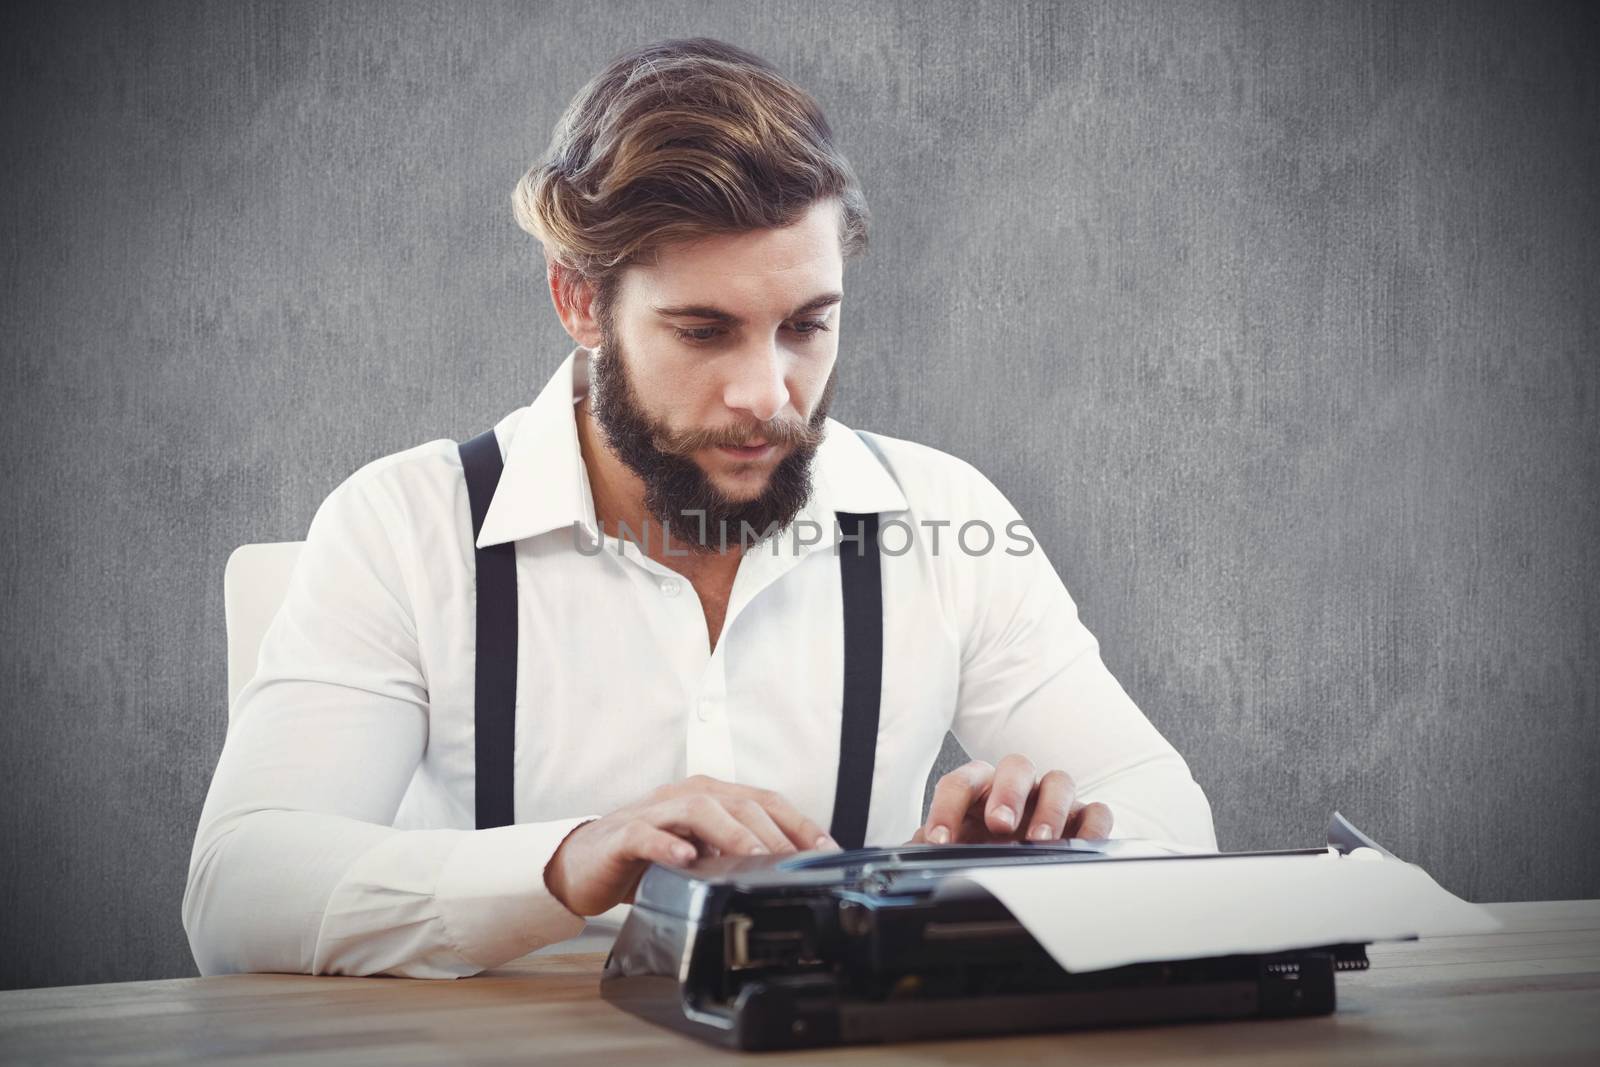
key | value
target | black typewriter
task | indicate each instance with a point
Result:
(880, 944)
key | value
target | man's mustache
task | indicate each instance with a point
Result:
(780, 432)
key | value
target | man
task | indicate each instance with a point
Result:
(672, 500)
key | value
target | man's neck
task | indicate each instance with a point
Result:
(619, 506)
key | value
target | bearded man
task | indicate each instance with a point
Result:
(670, 608)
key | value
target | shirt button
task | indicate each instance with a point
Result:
(671, 586)
(703, 712)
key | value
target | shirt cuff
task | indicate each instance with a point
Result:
(492, 897)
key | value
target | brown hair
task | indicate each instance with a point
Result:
(678, 140)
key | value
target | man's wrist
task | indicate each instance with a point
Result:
(554, 870)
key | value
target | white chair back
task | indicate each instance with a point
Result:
(254, 584)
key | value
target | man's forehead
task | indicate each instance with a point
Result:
(793, 262)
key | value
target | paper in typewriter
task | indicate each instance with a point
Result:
(1091, 916)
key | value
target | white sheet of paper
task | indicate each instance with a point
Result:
(1090, 916)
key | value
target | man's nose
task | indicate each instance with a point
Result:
(758, 384)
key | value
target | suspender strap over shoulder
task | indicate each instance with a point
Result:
(495, 671)
(861, 582)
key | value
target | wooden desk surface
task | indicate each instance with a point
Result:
(1528, 993)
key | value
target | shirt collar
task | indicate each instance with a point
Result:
(544, 485)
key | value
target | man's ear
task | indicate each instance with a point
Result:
(573, 296)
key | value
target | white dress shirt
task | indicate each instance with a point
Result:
(337, 836)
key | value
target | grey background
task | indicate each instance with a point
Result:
(1277, 321)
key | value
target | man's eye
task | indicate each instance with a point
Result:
(810, 327)
(697, 334)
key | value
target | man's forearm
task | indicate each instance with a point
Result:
(310, 893)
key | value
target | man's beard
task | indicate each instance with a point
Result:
(678, 493)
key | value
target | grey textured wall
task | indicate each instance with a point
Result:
(1278, 321)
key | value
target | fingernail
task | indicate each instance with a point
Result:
(826, 842)
(1005, 816)
(1041, 832)
(683, 853)
(758, 851)
(939, 835)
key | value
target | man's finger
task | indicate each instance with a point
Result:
(755, 816)
(702, 816)
(804, 832)
(1053, 802)
(641, 841)
(952, 797)
(1014, 779)
(1091, 821)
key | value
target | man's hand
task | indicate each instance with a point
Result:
(598, 864)
(979, 803)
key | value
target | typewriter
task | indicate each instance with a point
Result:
(881, 944)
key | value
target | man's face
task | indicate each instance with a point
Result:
(715, 372)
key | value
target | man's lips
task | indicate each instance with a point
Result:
(750, 451)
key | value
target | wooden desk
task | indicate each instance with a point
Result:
(1528, 993)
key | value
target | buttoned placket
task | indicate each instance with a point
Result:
(708, 741)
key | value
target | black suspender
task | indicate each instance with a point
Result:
(495, 672)
(862, 585)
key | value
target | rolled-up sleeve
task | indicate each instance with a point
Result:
(296, 865)
(1033, 682)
